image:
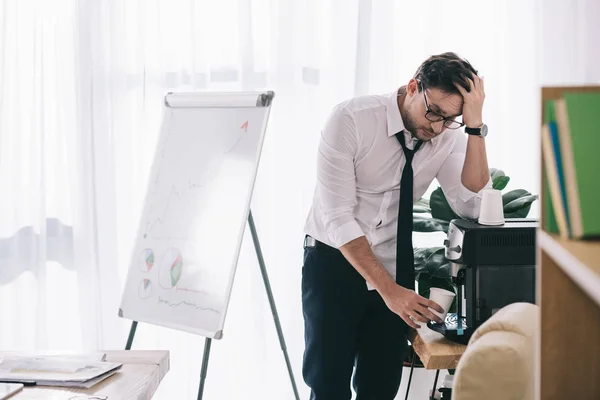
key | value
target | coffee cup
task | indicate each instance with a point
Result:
(442, 297)
(492, 210)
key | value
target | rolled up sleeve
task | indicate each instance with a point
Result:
(464, 202)
(336, 180)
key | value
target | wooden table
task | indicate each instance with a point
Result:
(137, 379)
(434, 350)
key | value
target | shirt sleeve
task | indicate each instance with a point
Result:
(464, 202)
(336, 179)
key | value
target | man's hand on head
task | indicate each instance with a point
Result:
(473, 102)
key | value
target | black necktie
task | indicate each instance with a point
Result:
(405, 271)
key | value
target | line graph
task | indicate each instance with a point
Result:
(183, 196)
(180, 289)
(186, 303)
(181, 178)
(174, 193)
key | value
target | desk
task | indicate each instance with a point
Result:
(434, 351)
(137, 379)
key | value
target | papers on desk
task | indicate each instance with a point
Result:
(8, 389)
(97, 356)
(55, 371)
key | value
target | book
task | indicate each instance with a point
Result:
(556, 192)
(579, 139)
(554, 196)
(549, 216)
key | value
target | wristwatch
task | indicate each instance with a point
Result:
(481, 131)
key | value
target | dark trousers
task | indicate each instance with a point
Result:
(347, 327)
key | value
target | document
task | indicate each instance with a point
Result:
(55, 371)
(8, 389)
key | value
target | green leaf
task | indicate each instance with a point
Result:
(495, 173)
(522, 213)
(519, 203)
(422, 202)
(425, 224)
(440, 208)
(432, 261)
(513, 195)
(500, 182)
(421, 209)
(423, 254)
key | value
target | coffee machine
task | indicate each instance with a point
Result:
(491, 267)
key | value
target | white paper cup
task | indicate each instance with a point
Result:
(442, 297)
(492, 210)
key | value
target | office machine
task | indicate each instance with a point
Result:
(491, 267)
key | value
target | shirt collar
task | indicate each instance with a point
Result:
(395, 123)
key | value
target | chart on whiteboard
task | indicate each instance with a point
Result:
(194, 207)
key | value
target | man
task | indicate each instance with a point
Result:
(358, 293)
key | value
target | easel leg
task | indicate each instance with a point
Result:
(437, 373)
(263, 270)
(207, 344)
(131, 335)
(412, 367)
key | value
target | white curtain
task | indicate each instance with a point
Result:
(81, 86)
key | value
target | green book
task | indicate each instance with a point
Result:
(553, 168)
(579, 137)
(550, 223)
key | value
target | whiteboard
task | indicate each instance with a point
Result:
(195, 210)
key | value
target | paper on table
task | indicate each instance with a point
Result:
(54, 371)
(8, 389)
(97, 356)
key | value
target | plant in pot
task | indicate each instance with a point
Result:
(432, 269)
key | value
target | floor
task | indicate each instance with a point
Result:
(421, 383)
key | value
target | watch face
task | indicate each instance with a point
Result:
(484, 130)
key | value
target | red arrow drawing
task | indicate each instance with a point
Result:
(244, 126)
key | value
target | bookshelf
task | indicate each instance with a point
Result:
(568, 293)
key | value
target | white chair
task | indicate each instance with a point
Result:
(499, 361)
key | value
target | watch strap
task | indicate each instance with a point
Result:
(473, 131)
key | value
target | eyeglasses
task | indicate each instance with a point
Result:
(435, 117)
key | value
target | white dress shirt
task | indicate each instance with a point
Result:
(359, 167)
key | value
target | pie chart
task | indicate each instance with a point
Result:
(145, 289)
(146, 260)
(171, 268)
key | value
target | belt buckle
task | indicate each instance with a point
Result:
(309, 241)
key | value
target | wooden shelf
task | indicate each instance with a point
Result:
(434, 350)
(567, 364)
(579, 260)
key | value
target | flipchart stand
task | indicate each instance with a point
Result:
(220, 102)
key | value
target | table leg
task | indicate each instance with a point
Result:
(412, 367)
(437, 373)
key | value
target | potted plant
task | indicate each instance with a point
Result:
(432, 269)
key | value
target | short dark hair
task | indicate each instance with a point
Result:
(442, 71)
